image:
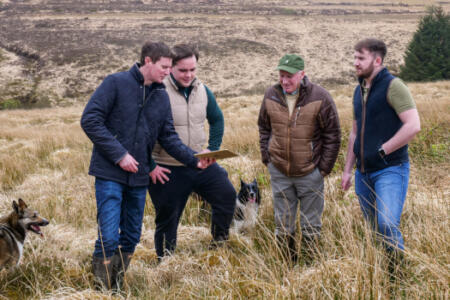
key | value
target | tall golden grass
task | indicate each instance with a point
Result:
(44, 159)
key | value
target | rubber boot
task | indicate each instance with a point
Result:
(120, 262)
(310, 248)
(102, 268)
(395, 264)
(218, 242)
(220, 237)
(286, 243)
(293, 254)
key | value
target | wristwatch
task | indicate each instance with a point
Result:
(381, 152)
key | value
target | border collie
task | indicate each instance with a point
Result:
(247, 205)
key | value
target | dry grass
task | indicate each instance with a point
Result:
(60, 55)
(44, 159)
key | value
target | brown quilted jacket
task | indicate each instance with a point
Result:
(310, 137)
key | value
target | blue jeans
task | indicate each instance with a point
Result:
(381, 197)
(120, 209)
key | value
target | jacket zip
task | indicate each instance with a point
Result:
(296, 116)
(288, 140)
(289, 151)
(137, 122)
(188, 119)
(363, 125)
(140, 111)
(289, 133)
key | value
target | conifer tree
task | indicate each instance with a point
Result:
(428, 54)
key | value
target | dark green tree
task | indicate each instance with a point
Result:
(428, 54)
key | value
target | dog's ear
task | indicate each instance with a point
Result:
(242, 183)
(254, 181)
(15, 206)
(22, 204)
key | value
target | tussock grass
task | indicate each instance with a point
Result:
(44, 159)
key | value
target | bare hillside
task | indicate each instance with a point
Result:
(57, 52)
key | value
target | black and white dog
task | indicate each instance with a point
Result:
(247, 205)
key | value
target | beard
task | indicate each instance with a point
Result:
(367, 72)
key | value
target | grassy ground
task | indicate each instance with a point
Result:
(54, 54)
(44, 159)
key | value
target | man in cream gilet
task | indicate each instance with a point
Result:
(192, 104)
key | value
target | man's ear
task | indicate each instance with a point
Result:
(147, 60)
(301, 74)
(378, 60)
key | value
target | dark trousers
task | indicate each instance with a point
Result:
(169, 200)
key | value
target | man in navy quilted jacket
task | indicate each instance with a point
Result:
(124, 118)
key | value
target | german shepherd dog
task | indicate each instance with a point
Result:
(248, 201)
(13, 229)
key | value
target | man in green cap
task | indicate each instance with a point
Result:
(300, 138)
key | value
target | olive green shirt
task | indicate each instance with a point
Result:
(399, 96)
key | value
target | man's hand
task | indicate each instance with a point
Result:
(346, 180)
(159, 174)
(203, 163)
(129, 164)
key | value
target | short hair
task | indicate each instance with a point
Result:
(182, 51)
(372, 45)
(155, 50)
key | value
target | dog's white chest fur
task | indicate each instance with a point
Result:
(250, 211)
(20, 247)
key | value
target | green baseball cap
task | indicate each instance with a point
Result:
(291, 63)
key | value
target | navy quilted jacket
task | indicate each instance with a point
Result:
(124, 116)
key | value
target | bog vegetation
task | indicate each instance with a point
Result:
(57, 57)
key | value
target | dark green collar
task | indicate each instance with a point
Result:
(185, 91)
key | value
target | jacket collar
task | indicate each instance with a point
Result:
(179, 87)
(134, 70)
(383, 72)
(137, 75)
(304, 88)
(185, 91)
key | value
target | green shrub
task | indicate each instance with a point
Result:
(427, 55)
(9, 104)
